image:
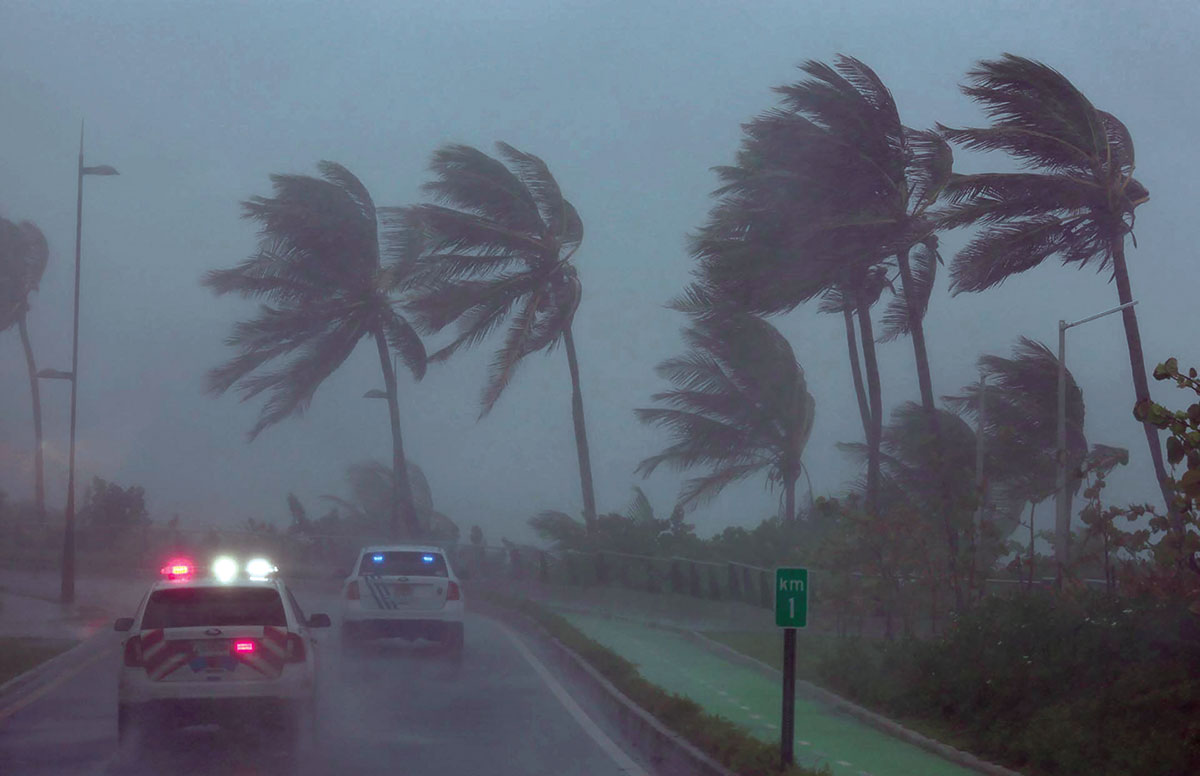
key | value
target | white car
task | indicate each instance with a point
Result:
(231, 649)
(403, 591)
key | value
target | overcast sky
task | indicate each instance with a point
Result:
(630, 104)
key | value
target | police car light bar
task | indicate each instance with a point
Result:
(178, 569)
(260, 569)
(225, 569)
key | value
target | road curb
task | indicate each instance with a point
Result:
(670, 753)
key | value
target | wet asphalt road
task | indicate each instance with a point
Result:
(387, 708)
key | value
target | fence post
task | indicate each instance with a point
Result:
(714, 584)
(735, 592)
(694, 580)
(747, 586)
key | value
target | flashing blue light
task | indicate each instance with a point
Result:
(427, 559)
(377, 558)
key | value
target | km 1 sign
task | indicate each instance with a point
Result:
(791, 598)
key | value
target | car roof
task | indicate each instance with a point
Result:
(176, 584)
(401, 548)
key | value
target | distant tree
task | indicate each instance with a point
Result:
(318, 264)
(739, 406)
(1021, 433)
(366, 510)
(23, 257)
(1078, 204)
(111, 512)
(476, 535)
(498, 247)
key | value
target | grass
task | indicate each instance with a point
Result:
(19, 654)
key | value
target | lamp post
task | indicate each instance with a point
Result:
(1062, 519)
(68, 561)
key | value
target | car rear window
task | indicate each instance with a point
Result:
(404, 564)
(190, 607)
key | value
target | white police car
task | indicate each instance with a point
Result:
(231, 648)
(403, 591)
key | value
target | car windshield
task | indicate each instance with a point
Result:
(191, 607)
(404, 564)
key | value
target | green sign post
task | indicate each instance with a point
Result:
(791, 612)
(791, 598)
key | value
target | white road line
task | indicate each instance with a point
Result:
(618, 755)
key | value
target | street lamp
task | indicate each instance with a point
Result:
(68, 562)
(1062, 520)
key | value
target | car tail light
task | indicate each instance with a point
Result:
(295, 648)
(244, 647)
(133, 652)
(352, 591)
(452, 593)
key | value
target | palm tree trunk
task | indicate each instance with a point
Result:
(789, 497)
(856, 372)
(403, 509)
(1032, 557)
(39, 488)
(916, 328)
(874, 392)
(581, 443)
(1141, 386)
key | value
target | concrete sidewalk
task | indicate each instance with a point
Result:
(29, 605)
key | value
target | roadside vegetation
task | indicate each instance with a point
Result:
(20, 654)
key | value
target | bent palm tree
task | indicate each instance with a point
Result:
(23, 258)
(498, 248)
(739, 406)
(1020, 430)
(318, 264)
(1078, 205)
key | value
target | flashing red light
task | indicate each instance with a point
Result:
(178, 568)
(243, 647)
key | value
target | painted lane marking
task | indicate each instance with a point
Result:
(624, 762)
(49, 687)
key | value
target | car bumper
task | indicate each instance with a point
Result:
(292, 685)
(354, 612)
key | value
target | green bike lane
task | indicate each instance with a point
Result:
(824, 736)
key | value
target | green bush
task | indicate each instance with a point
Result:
(1048, 685)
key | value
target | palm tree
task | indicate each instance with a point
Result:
(739, 406)
(827, 189)
(23, 257)
(1020, 428)
(1077, 203)
(498, 247)
(371, 484)
(318, 265)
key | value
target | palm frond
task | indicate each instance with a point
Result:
(471, 181)
(403, 339)
(924, 259)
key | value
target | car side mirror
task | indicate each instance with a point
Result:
(123, 624)
(319, 621)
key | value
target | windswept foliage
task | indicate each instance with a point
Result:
(1077, 200)
(495, 246)
(739, 406)
(23, 258)
(318, 270)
